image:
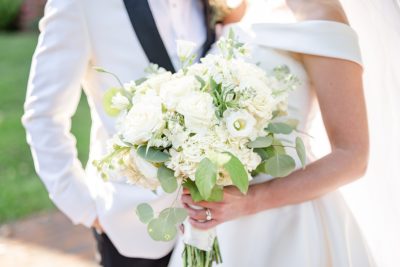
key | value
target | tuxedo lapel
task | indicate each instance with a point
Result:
(210, 38)
(147, 33)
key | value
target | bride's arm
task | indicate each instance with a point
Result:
(339, 89)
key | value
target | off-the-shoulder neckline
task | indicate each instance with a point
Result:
(296, 23)
(314, 21)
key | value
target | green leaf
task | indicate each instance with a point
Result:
(145, 212)
(261, 142)
(194, 192)
(280, 165)
(238, 173)
(201, 81)
(278, 148)
(174, 215)
(301, 151)
(167, 179)
(217, 193)
(161, 229)
(279, 128)
(206, 177)
(107, 101)
(152, 154)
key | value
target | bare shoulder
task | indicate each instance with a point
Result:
(317, 10)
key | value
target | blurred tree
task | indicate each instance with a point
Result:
(9, 11)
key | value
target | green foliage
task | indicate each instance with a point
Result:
(280, 165)
(206, 177)
(301, 151)
(167, 179)
(145, 212)
(217, 192)
(164, 228)
(152, 154)
(279, 128)
(160, 229)
(238, 173)
(261, 142)
(9, 10)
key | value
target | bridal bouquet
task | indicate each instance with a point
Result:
(211, 124)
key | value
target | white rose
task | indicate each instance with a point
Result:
(155, 82)
(172, 91)
(198, 110)
(144, 118)
(240, 123)
(119, 102)
(185, 49)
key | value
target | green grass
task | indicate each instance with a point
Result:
(21, 191)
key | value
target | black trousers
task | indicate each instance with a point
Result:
(110, 257)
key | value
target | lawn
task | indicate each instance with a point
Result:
(21, 191)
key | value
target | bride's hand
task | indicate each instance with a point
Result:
(233, 205)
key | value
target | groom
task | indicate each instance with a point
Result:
(121, 37)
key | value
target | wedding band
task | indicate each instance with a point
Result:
(208, 215)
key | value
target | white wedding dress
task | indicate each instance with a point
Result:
(317, 233)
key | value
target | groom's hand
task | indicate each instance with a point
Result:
(233, 206)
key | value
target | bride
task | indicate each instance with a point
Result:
(301, 220)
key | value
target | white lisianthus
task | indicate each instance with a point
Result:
(171, 92)
(240, 123)
(120, 102)
(185, 49)
(130, 86)
(143, 119)
(198, 111)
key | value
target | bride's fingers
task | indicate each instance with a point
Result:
(203, 225)
(185, 191)
(199, 215)
(187, 199)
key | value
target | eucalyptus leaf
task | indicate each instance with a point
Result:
(280, 165)
(206, 177)
(152, 154)
(145, 212)
(279, 128)
(167, 179)
(238, 173)
(261, 142)
(301, 151)
(161, 229)
(174, 215)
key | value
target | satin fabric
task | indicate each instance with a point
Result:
(321, 232)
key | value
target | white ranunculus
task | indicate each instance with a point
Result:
(240, 123)
(172, 91)
(185, 49)
(198, 111)
(119, 102)
(144, 118)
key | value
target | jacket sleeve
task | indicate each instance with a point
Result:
(58, 66)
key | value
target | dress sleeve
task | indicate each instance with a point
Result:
(316, 37)
(59, 63)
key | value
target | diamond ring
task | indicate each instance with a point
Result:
(208, 215)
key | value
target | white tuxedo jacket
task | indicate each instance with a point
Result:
(75, 36)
